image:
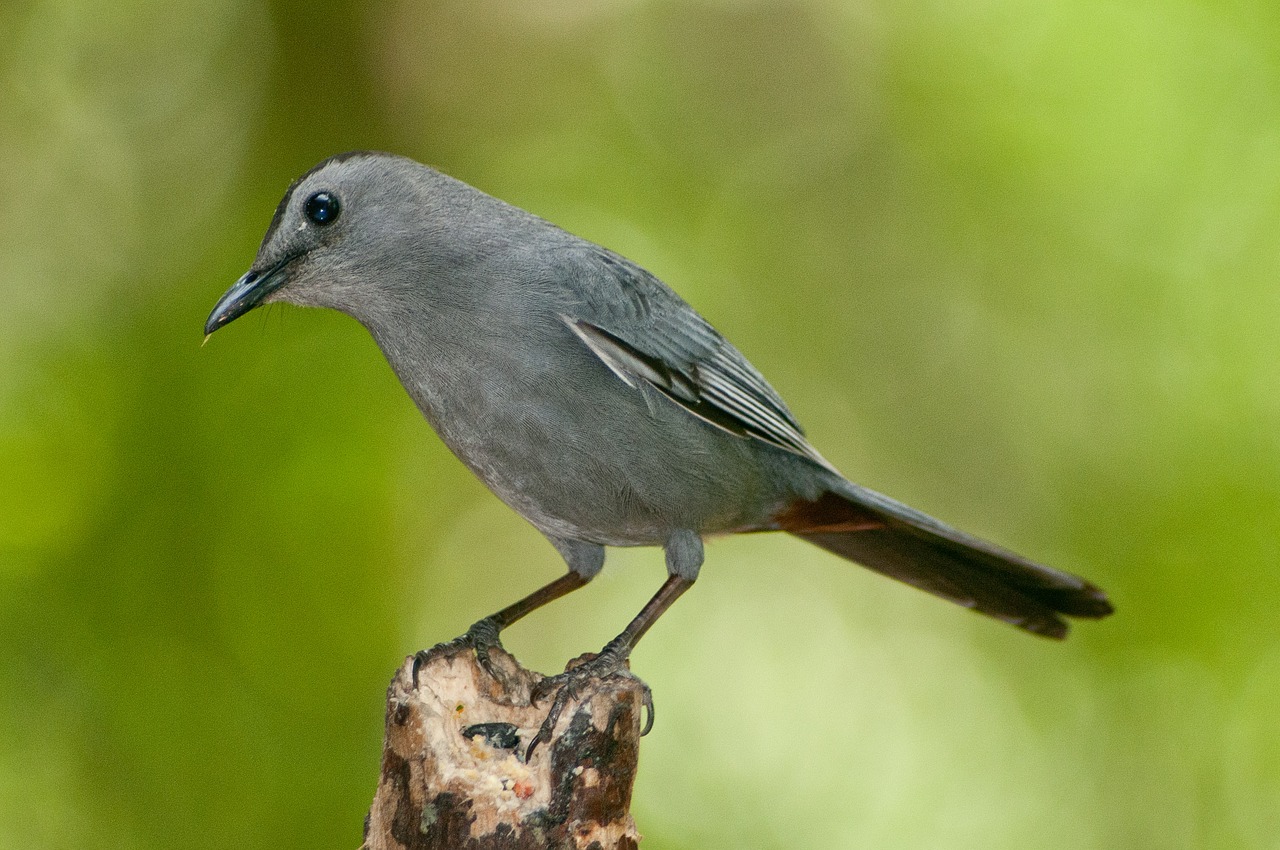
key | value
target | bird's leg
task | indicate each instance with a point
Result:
(610, 661)
(484, 634)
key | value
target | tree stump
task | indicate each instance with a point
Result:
(451, 777)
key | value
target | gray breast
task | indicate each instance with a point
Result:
(562, 440)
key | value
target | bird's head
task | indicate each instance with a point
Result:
(339, 236)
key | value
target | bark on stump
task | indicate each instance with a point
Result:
(451, 778)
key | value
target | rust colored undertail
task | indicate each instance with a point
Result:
(903, 543)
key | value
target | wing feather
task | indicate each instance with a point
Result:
(643, 331)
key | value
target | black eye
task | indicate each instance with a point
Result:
(322, 208)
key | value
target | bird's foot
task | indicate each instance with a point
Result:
(480, 638)
(570, 685)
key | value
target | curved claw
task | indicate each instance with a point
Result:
(647, 704)
(570, 684)
(548, 726)
(423, 657)
(480, 638)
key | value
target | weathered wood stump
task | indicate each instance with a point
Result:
(451, 777)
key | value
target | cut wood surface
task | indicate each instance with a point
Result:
(452, 778)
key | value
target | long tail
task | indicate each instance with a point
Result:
(903, 543)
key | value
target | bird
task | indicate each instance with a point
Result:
(596, 402)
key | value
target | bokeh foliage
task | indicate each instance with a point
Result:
(1014, 261)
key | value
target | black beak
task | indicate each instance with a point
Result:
(246, 293)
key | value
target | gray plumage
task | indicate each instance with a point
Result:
(590, 397)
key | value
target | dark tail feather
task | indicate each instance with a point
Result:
(903, 543)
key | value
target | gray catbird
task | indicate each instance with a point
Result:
(594, 401)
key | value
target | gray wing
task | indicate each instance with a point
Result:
(645, 332)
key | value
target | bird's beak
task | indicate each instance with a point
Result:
(246, 293)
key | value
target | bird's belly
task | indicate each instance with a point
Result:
(615, 472)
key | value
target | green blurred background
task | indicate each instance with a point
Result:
(1012, 261)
